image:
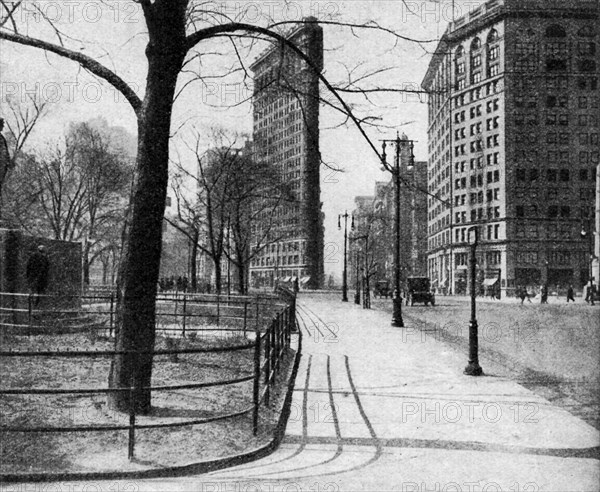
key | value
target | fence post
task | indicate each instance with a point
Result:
(29, 310)
(280, 338)
(256, 389)
(291, 324)
(268, 362)
(184, 308)
(218, 309)
(112, 305)
(245, 315)
(276, 355)
(256, 313)
(131, 446)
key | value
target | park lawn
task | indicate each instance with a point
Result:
(107, 451)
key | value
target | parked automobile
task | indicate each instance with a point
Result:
(419, 290)
(382, 289)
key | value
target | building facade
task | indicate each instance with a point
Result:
(286, 134)
(374, 217)
(513, 143)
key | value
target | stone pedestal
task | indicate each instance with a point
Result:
(64, 285)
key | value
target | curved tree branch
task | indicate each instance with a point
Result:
(84, 61)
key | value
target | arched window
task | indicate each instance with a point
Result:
(476, 61)
(459, 67)
(493, 54)
(555, 31)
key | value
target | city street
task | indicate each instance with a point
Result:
(378, 408)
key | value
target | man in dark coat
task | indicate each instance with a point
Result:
(544, 294)
(38, 267)
(570, 294)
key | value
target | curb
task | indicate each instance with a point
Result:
(181, 470)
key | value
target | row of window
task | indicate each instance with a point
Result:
(554, 175)
(285, 260)
(552, 211)
(476, 94)
(474, 198)
(492, 231)
(477, 214)
(553, 83)
(477, 145)
(476, 111)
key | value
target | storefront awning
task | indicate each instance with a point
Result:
(294, 279)
(287, 279)
(303, 280)
(490, 281)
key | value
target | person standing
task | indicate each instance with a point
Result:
(589, 291)
(544, 294)
(570, 294)
(37, 272)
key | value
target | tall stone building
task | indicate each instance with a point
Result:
(286, 133)
(513, 143)
(374, 216)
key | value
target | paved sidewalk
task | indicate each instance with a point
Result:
(379, 408)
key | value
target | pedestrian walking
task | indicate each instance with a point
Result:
(590, 291)
(570, 294)
(37, 270)
(523, 294)
(544, 294)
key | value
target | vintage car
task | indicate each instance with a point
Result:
(419, 290)
(382, 289)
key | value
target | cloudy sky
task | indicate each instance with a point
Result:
(113, 33)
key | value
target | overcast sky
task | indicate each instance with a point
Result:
(113, 33)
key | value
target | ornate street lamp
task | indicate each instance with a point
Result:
(584, 235)
(399, 145)
(473, 368)
(345, 275)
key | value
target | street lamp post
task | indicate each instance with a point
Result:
(357, 293)
(395, 171)
(588, 233)
(345, 274)
(473, 368)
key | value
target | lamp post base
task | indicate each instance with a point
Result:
(344, 298)
(473, 369)
(397, 320)
(357, 298)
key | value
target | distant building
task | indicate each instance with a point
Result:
(286, 133)
(375, 215)
(513, 143)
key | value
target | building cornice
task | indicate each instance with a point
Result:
(493, 12)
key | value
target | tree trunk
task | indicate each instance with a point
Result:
(218, 280)
(194, 262)
(241, 268)
(141, 255)
(86, 264)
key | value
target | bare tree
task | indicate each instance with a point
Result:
(174, 29)
(21, 121)
(105, 178)
(75, 191)
(258, 200)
